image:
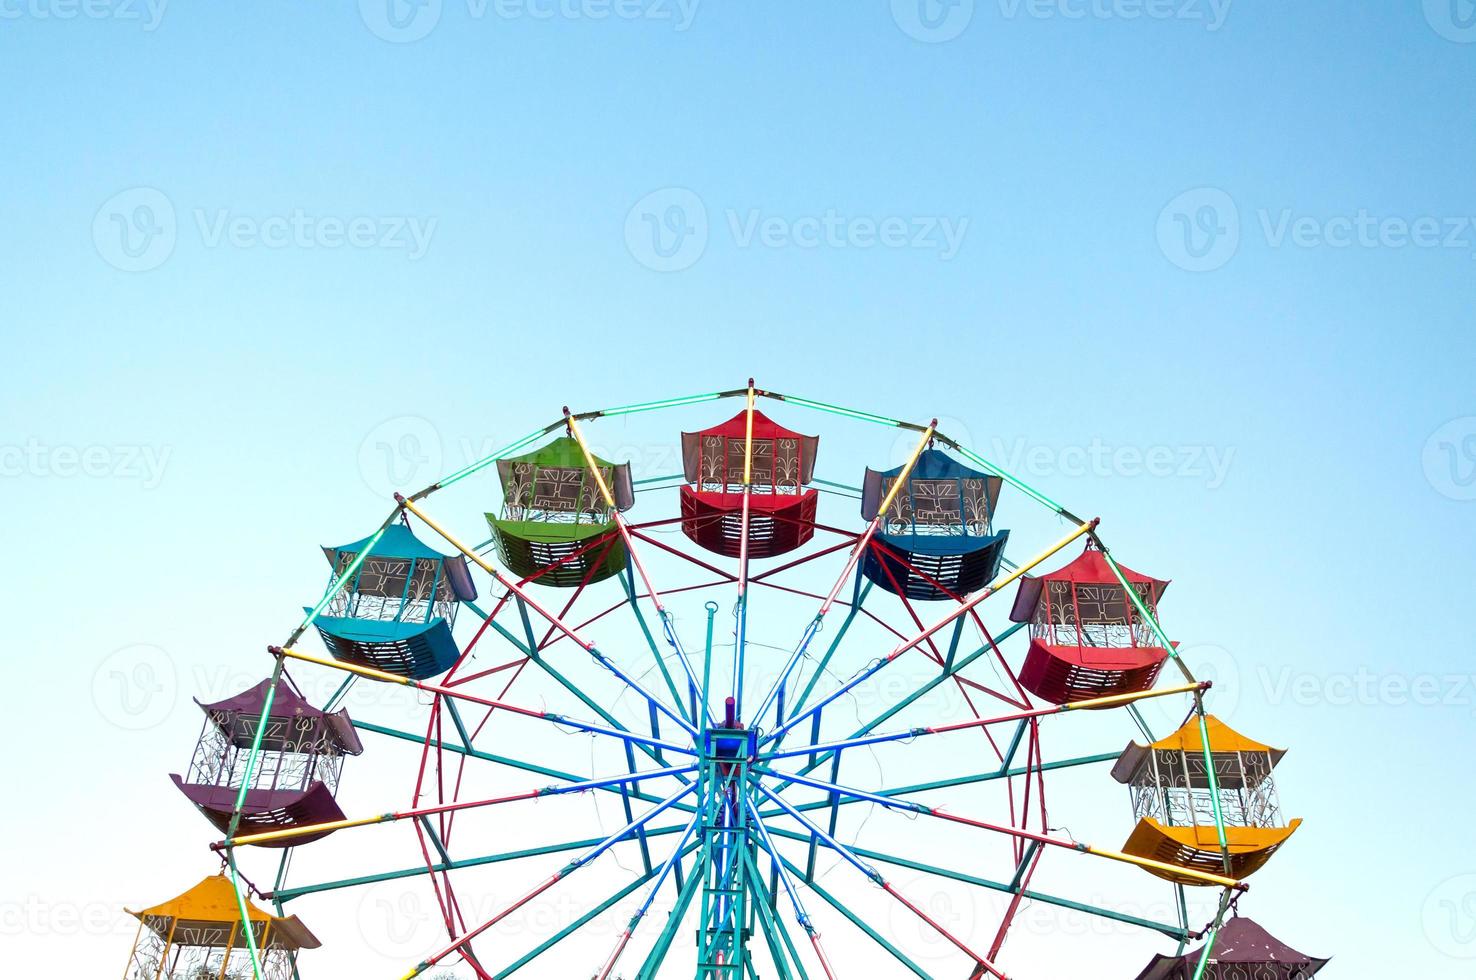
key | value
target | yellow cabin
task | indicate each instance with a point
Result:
(1175, 804)
(198, 935)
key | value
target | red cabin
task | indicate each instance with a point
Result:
(1086, 637)
(781, 514)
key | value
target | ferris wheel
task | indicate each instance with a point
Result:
(797, 701)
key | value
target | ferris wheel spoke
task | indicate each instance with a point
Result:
(913, 733)
(775, 933)
(846, 912)
(776, 691)
(552, 717)
(589, 647)
(857, 603)
(910, 806)
(907, 700)
(992, 589)
(1022, 701)
(288, 833)
(1174, 932)
(876, 876)
(667, 626)
(1019, 884)
(658, 952)
(582, 861)
(660, 879)
(502, 760)
(572, 688)
(589, 916)
(801, 916)
(282, 894)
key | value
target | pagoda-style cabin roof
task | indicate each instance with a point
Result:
(399, 542)
(237, 717)
(556, 478)
(700, 466)
(939, 491)
(1224, 740)
(205, 914)
(1088, 568)
(1242, 949)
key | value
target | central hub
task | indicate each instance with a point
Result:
(729, 744)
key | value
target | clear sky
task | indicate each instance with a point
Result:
(1204, 268)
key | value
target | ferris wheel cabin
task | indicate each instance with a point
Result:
(396, 613)
(936, 540)
(199, 934)
(781, 505)
(1087, 639)
(556, 527)
(1242, 951)
(1175, 802)
(296, 778)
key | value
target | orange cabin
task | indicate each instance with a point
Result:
(199, 934)
(1175, 803)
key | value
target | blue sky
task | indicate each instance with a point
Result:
(1205, 270)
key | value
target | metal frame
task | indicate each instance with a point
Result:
(736, 811)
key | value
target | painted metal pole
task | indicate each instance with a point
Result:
(1211, 775)
(542, 663)
(1214, 934)
(487, 460)
(564, 872)
(288, 894)
(635, 559)
(740, 644)
(645, 906)
(1171, 932)
(856, 920)
(1108, 701)
(451, 692)
(581, 922)
(287, 833)
(855, 556)
(961, 610)
(249, 776)
(800, 915)
(973, 457)
(877, 879)
(901, 704)
(706, 689)
(908, 806)
(657, 956)
(552, 618)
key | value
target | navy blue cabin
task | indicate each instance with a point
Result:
(396, 613)
(936, 540)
